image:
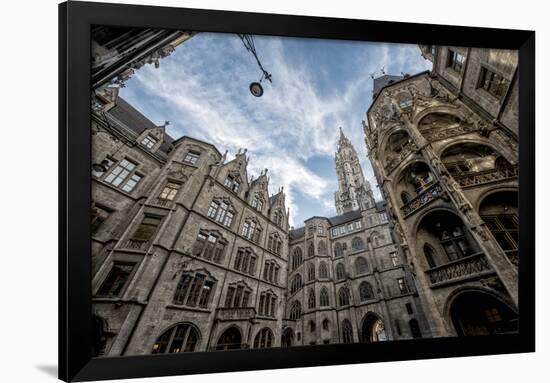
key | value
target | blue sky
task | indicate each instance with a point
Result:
(318, 86)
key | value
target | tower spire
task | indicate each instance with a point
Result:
(354, 192)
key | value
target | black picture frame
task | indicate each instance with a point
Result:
(75, 297)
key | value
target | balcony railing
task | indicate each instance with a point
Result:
(235, 313)
(136, 244)
(394, 162)
(437, 134)
(161, 202)
(425, 197)
(462, 268)
(486, 176)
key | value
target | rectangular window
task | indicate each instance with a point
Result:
(131, 183)
(357, 224)
(116, 280)
(320, 230)
(350, 227)
(169, 191)
(409, 308)
(334, 232)
(493, 82)
(455, 60)
(121, 171)
(402, 284)
(147, 228)
(394, 259)
(149, 141)
(191, 157)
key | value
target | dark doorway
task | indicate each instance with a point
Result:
(230, 340)
(476, 313)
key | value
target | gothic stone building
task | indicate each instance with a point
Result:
(347, 281)
(190, 254)
(443, 145)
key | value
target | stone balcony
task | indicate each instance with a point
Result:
(486, 176)
(394, 161)
(428, 195)
(472, 266)
(437, 134)
(235, 313)
(136, 244)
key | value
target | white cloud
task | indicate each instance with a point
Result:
(203, 89)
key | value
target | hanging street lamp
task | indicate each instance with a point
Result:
(255, 87)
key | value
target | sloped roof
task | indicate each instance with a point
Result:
(137, 122)
(297, 233)
(382, 81)
(346, 217)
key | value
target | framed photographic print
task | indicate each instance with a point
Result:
(289, 191)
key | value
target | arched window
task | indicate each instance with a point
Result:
(347, 331)
(310, 250)
(323, 297)
(323, 270)
(312, 326)
(338, 250)
(264, 338)
(322, 247)
(310, 272)
(357, 244)
(194, 289)
(405, 197)
(182, 337)
(311, 299)
(415, 329)
(295, 310)
(375, 239)
(326, 324)
(296, 258)
(343, 296)
(361, 266)
(296, 283)
(231, 339)
(340, 271)
(429, 253)
(365, 291)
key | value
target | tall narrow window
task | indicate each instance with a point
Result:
(323, 297)
(340, 271)
(347, 331)
(310, 272)
(295, 310)
(455, 60)
(252, 230)
(493, 83)
(357, 244)
(180, 338)
(338, 250)
(191, 157)
(402, 284)
(429, 254)
(268, 300)
(394, 259)
(323, 270)
(310, 250)
(296, 283)
(296, 258)
(361, 266)
(311, 299)
(116, 279)
(343, 296)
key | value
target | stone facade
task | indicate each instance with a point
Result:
(443, 145)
